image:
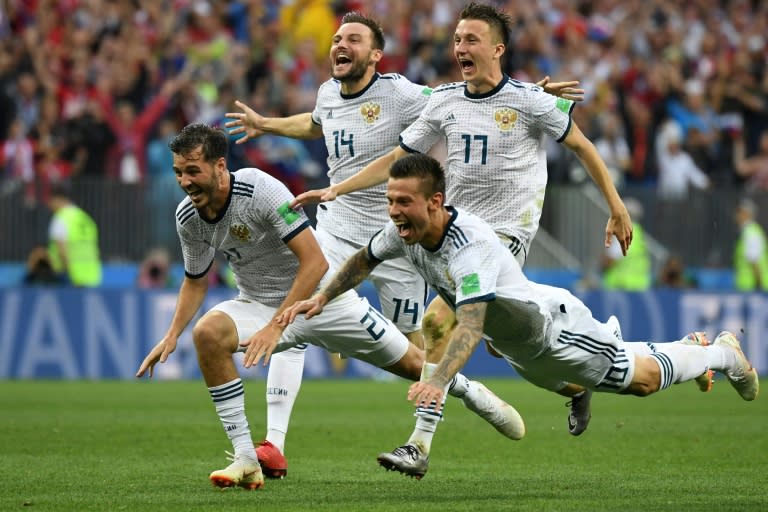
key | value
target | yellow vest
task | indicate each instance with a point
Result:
(82, 247)
(744, 276)
(633, 271)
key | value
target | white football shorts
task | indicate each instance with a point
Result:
(581, 350)
(401, 289)
(349, 325)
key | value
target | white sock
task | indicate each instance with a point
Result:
(459, 386)
(426, 417)
(721, 358)
(283, 382)
(229, 400)
(680, 363)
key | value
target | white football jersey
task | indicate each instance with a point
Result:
(471, 264)
(496, 165)
(252, 232)
(358, 129)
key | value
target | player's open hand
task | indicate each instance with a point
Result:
(423, 394)
(159, 353)
(321, 195)
(566, 90)
(261, 344)
(620, 226)
(312, 306)
(247, 122)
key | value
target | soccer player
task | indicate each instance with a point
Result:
(546, 334)
(276, 261)
(360, 113)
(496, 164)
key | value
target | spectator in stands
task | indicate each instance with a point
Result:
(133, 130)
(747, 86)
(633, 271)
(162, 191)
(754, 169)
(17, 162)
(698, 122)
(674, 274)
(677, 170)
(308, 22)
(750, 258)
(74, 240)
(27, 96)
(87, 139)
(155, 270)
(613, 148)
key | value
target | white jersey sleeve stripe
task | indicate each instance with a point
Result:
(301, 227)
(483, 298)
(201, 274)
(370, 248)
(407, 148)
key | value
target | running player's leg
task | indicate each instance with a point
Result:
(351, 326)
(672, 363)
(597, 359)
(283, 383)
(216, 338)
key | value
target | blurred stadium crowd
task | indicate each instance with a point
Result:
(94, 88)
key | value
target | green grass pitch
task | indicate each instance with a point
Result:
(104, 446)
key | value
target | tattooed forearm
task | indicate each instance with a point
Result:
(351, 273)
(464, 339)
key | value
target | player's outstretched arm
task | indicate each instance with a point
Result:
(619, 223)
(312, 268)
(310, 307)
(462, 342)
(567, 90)
(159, 353)
(372, 174)
(252, 125)
(191, 295)
(351, 273)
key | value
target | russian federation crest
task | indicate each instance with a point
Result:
(505, 118)
(370, 112)
(240, 232)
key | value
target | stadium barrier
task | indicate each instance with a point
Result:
(65, 333)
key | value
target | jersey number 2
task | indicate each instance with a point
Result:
(371, 320)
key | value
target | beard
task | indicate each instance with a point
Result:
(356, 71)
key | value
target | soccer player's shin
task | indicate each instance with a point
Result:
(229, 400)
(283, 383)
(426, 417)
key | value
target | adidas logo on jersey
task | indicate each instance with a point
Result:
(330, 114)
(450, 118)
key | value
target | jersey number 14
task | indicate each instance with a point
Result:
(339, 140)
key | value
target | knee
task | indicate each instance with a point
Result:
(643, 389)
(647, 378)
(436, 326)
(213, 333)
